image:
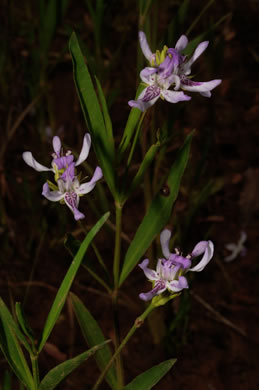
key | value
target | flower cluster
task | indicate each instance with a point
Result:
(169, 274)
(170, 68)
(68, 188)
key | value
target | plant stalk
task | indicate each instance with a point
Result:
(137, 324)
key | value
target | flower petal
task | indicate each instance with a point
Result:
(147, 98)
(85, 149)
(87, 187)
(145, 46)
(174, 96)
(30, 160)
(198, 51)
(200, 86)
(149, 273)
(146, 73)
(56, 145)
(205, 247)
(178, 285)
(160, 287)
(181, 43)
(53, 196)
(164, 240)
(72, 199)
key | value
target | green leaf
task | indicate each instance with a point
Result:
(7, 381)
(68, 280)
(94, 335)
(60, 372)
(130, 125)
(92, 112)
(151, 377)
(143, 167)
(158, 213)
(23, 321)
(11, 347)
(106, 116)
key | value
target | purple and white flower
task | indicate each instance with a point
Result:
(170, 68)
(60, 161)
(68, 189)
(170, 270)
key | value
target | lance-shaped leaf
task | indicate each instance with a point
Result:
(94, 335)
(158, 213)
(143, 167)
(11, 348)
(151, 377)
(130, 125)
(60, 372)
(68, 280)
(92, 113)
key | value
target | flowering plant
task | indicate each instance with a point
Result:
(170, 68)
(68, 188)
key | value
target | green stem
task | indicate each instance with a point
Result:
(137, 324)
(35, 369)
(117, 249)
(135, 139)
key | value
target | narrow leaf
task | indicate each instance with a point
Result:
(60, 372)
(92, 112)
(158, 213)
(143, 167)
(130, 125)
(11, 347)
(94, 335)
(23, 321)
(68, 280)
(151, 377)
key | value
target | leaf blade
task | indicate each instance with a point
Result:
(158, 213)
(60, 372)
(68, 280)
(94, 335)
(151, 377)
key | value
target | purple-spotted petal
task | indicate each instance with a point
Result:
(53, 196)
(145, 46)
(160, 287)
(146, 73)
(30, 160)
(72, 200)
(85, 149)
(149, 273)
(87, 187)
(181, 43)
(174, 96)
(164, 240)
(200, 87)
(147, 98)
(205, 247)
(56, 145)
(178, 285)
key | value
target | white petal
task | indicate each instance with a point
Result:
(149, 273)
(181, 43)
(178, 285)
(56, 145)
(143, 106)
(30, 160)
(174, 96)
(145, 46)
(53, 196)
(146, 75)
(205, 247)
(85, 149)
(87, 187)
(202, 87)
(198, 51)
(164, 240)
